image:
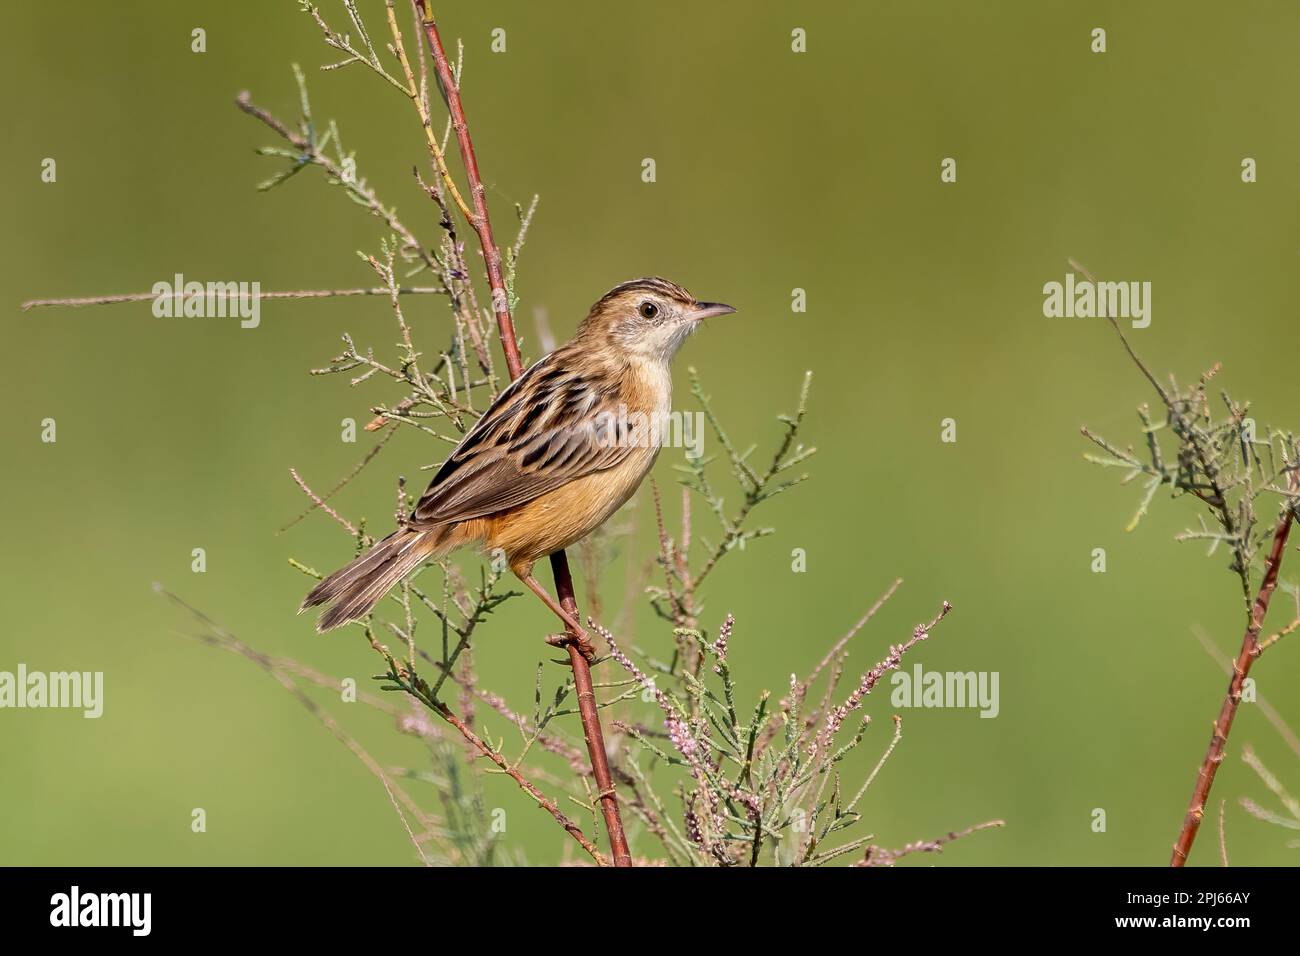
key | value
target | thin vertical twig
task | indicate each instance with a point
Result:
(482, 226)
(479, 221)
(1223, 836)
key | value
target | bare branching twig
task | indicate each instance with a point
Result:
(1230, 466)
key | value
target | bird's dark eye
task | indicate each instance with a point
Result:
(648, 310)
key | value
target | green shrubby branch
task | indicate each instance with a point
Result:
(343, 42)
(755, 795)
(1233, 467)
(309, 149)
(757, 487)
(676, 601)
(764, 784)
(444, 261)
(1225, 462)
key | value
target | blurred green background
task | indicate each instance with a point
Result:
(775, 170)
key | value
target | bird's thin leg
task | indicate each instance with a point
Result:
(578, 636)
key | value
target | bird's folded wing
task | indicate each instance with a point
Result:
(550, 427)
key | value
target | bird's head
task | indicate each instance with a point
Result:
(647, 318)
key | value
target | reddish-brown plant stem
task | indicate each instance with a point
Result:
(482, 226)
(587, 709)
(542, 800)
(1240, 670)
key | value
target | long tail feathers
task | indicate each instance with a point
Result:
(353, 591)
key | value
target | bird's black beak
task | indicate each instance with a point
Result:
(706, 310)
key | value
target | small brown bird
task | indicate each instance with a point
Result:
(550, 460)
